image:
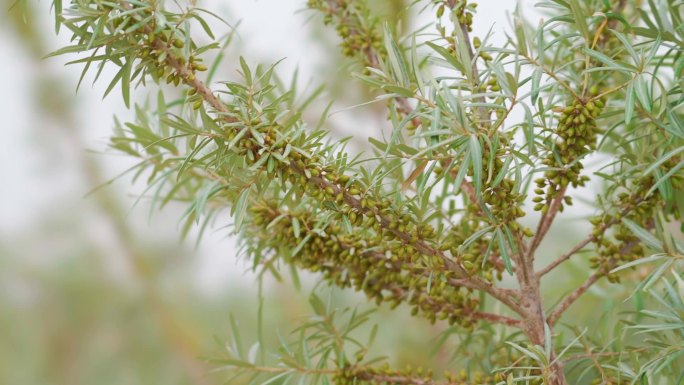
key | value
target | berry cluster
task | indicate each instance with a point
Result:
(360, 33)
(385, 269)
(358, 374)
(624, 246)
(473, 257)
(502, 199)
(500, 195)
(503, 205)
(350, 375)
(576, 137)
(462, 11)
(155, 43)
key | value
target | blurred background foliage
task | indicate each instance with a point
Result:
(92, 291)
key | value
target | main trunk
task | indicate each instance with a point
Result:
(534, 329)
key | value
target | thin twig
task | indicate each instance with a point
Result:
(552, 74)
(591, 238)
(276, 370)
(572, 297)
(495, 318)
(546, 222)
(601, 354)
(565, 256)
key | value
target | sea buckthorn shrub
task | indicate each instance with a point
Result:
(489, 145)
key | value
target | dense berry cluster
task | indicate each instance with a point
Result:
(474, 258)
(575, 137)
(361, 36)
(385, 269)
(462, 11)
(500, 358)
(623, 246)
(502, 203)
(350, 375)
(155, 43)
(501, 198)
(505, 202)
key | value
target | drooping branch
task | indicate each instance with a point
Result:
(346, 260)
(188, 77)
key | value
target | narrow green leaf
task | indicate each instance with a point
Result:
(462, 171)
(520, 30)
(629, 103)
(476, 157)
(126, 82)
(612, 64)
(474, 237)
(236, 332)
(245, 71)
(317, 304)
(295, 227)
(161, 112)
(503, 249)
(676, 126)
(462, 50)
(643, 235)
(659, 184)
(396, 59)
(241, 208)
(528, 129)
(641, 92)
(382, 146)
(662, 160)
(628, 45)
(115, 80)
(641, 261)
(191, 156)
(232, 362)
(204, 195)
(448, 56)
(579, 18)
(401, 91)
(204, 25)
(57, 4)
(65, 50)
(536, 78)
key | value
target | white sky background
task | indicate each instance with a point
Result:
(34, 175)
